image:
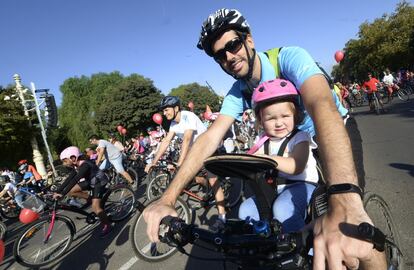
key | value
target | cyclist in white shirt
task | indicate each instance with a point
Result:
(186, 126)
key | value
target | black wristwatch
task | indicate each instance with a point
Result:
(344, 188)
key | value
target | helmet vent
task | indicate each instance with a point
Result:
(283, 83)
(261, 89)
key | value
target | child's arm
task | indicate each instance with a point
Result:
(297, 160)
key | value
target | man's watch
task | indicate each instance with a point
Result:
(344, 188)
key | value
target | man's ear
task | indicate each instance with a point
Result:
(249, 41)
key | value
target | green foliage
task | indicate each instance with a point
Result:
(15, 133)
(97, 104)
(131, 103)
(386, 42)
(200, 95)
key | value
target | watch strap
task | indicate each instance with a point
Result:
(344, 188)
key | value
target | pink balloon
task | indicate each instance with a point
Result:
(119, 128)
(339, 55)
(157, 118)
(123, 131)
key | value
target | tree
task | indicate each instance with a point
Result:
(131, 103)
(383, 43)
(200, 95)
(15, 133)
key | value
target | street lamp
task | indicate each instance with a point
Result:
(37, 156)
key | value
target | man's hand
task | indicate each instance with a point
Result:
(57, 196)
(148, 167)
(153, 214)
(331, 246)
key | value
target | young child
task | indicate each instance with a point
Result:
(277, 111)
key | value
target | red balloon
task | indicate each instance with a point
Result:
(28, 216)
(157, 118)
(2, 248)
(119, 128)
(339, 55)
(191, 105)
(123, 131)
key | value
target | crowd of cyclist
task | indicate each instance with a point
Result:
(384, 87)
(279, 114)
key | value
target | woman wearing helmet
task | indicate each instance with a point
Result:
(276, 107)
(95, 180)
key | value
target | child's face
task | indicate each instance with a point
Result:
(278, 119)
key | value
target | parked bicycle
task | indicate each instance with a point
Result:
(47, 239)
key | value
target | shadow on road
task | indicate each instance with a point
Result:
(405, 167)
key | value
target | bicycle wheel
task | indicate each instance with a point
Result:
(30, 248)
(158, 185)
(232, 189)
(118, 202)
(402, 94)
(376, 105)
(3, 230)
(380, 214)
(10, 212)
(155, 252)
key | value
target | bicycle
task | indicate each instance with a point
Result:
(192, 198)
(261, 244)
(47, 239)
(3, 230)
(195, 194)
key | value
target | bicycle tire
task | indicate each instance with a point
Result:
(43, 253)
(157, 185)
(403, 94)
(376, 105)
(233, 190)
(380, 214)
(118, 202)
(3, 230)
(155, 252)
(11, 213)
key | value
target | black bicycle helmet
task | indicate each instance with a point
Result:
(218, 22)
(169, 101)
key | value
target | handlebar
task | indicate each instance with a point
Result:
(241, 243)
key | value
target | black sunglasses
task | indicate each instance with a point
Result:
(233, 46)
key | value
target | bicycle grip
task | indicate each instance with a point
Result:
(372, 234)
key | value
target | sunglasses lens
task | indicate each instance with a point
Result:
(232, 46)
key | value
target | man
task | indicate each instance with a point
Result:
(112, 154)
(371, 85)
(388, 80)
(187, 126)
(227, 38)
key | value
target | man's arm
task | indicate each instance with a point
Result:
(331, 245)
(100, 152)
(185, 146)
(163, 147)
(203, 147)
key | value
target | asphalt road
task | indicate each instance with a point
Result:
(388, 143)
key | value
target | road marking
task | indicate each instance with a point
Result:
(129, 263)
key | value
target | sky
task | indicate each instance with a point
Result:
(49, 41)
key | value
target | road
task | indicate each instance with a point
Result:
(388, 143)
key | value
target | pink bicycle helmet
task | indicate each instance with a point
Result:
(69, 152)
(273, 90)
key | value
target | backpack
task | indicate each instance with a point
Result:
(272, 54)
